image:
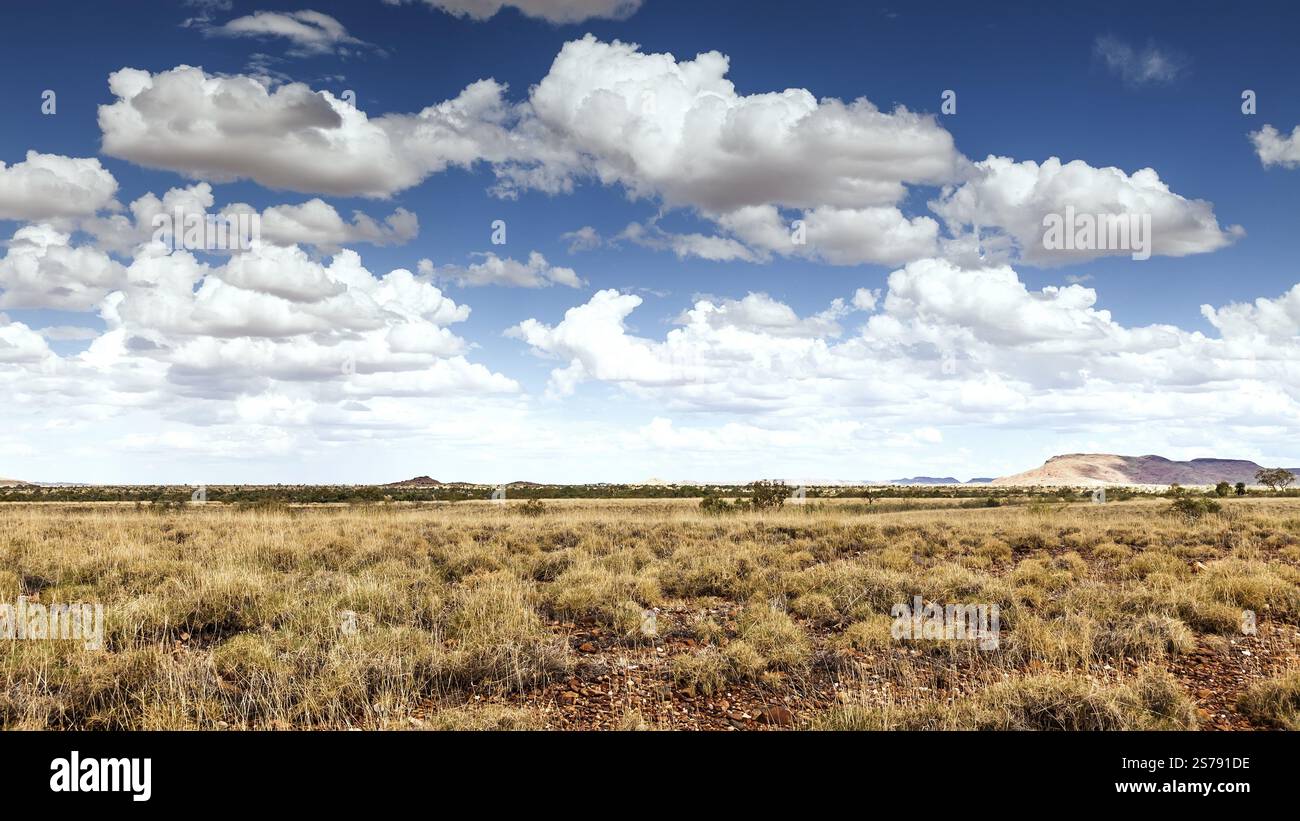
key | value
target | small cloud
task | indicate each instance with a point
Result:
(704, 246)
(312, 33)
(553, 11)
(865, 299)
(585, 238)
(1139, 67)
(494, 270)
(1275, 148)
(205, 8)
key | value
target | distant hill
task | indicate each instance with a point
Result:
(11, 483)
(980, 480)
(418, 481)
(926, 480)
(1081, 469)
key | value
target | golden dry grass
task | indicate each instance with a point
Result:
(221, 617)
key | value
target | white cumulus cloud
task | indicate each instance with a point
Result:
(1276, 148)
(48, 186)
(42, 269)
(1008, 201)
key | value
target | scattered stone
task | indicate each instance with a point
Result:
(777, 716)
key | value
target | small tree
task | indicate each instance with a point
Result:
(1241, 488)
(769, 494)
(1222, 489)
(1274, 478)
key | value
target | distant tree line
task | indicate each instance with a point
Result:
(767, 494)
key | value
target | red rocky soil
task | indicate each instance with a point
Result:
(611, 680)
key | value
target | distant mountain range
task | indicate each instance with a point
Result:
(1082, 469)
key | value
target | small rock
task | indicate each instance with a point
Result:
(777, 717)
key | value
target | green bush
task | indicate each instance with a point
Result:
(769, 494)
(1192, 508)
(532, 508)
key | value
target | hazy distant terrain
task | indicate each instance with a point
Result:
(1068, 470)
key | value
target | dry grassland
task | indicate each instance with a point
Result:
(623, 614)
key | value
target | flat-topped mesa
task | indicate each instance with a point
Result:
(1085, 469)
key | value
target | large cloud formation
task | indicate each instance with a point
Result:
(270, 324)
(290, 137)
(945, 345)
(660, 128)
(777, 174)
(296, 340)
(679, 131)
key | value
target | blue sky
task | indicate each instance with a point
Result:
(935, 359)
